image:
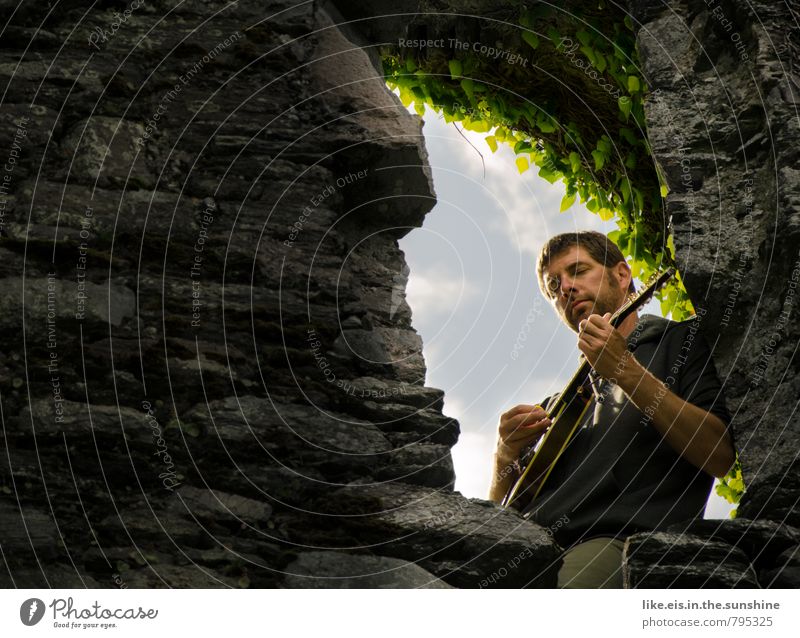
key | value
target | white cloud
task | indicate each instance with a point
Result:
(435, 294)
(529, 205)
(472, 456)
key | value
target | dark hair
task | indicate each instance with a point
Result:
(600, 248)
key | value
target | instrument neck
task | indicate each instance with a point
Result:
(627, 324)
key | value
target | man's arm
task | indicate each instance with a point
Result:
(697, 435)
(519, 427)
(504, 475)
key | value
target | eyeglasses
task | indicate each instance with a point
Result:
(553, 285)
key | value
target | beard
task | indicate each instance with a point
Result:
(607, 300)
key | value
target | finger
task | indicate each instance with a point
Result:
(592, 320)
(589, 349)
(528, 432)
(518, 409)
(526, 420)
(520, 423)
(601, 330)
(523, 409)
(593, 331)
(591, 341)
(600, 321)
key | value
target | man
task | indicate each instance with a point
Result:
(655, 435)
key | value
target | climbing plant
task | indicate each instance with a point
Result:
(576, 113)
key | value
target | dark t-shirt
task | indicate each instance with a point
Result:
(618, 476)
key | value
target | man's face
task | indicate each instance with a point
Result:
(579, 286)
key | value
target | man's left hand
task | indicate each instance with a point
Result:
(603, 346)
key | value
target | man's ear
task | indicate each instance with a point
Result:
(623, 271)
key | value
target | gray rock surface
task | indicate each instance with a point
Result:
(465, 542)
(661, 560)
(723, 127)
(786, 574)
(223, 362)
(203, 328)
(337, 570)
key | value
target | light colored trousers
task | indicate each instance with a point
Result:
(594, 564)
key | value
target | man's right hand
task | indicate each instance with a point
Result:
(521, 426)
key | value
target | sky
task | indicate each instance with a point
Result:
(490, 340)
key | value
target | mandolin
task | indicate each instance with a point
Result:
(566, 413)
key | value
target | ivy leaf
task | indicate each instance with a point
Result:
(604, 145)
(406, 96)
(522, 164)
(575, 162)
(625, 104)
(530, 38)
(633, 84)
(555, 37)
(625, 187)
(523, 146)
(599, 160)
(566, 202)
(455, 68)
(550, 176)
(590, 55)
(477, 126)
(543, 123)
(639, 198)
(491, 140)
(628, 135)
(606, 214)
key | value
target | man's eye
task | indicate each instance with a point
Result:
(552, 285)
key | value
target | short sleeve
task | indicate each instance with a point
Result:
(696, 380)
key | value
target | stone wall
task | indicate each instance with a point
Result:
(208, 372)
(723, 124)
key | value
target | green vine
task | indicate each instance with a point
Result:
(594, 140)
(731, 487)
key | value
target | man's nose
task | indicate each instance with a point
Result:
(567, 286)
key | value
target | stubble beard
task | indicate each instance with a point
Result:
(602, 304)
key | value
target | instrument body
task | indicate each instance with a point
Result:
(567, 413)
